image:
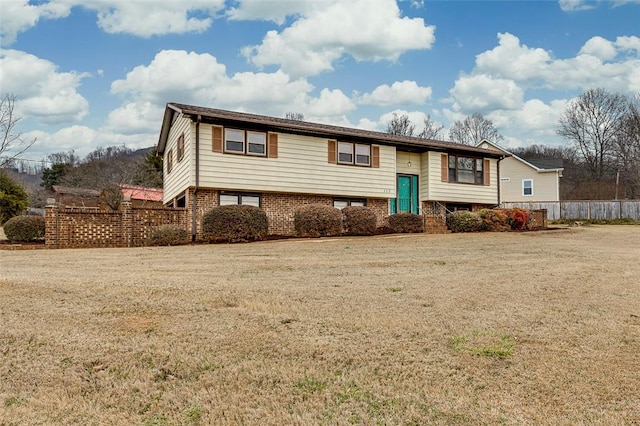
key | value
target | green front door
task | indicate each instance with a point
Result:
(407, 195)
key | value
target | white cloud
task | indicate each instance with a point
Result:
(324, 34)
(19, 16)
(482, 93)
(512, 60)
(41, 90)
(399, 93)
(144, 20)
(600, 48)
(271, 11)
(139, 18)
(600, 63)
(193, 78)
(575, 5)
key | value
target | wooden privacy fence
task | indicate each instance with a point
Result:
(582, 210)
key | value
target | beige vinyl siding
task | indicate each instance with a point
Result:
(424, 176)
(460, 192)
(545, 185)
(402, 163)
(181, 176)
(301, 167)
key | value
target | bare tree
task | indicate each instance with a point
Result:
(473, 129)
(628, 149)
(431, 129)
(297, 116)
(592, 122)
(400, 125)
(12, 144)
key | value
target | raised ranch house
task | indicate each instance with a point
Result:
(522, 180)
(214, 157)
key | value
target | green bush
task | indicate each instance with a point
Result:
(494, 220)
(316, 220)
(406, 223)
(24, 228)
(235, 223)
(359, 220)
(464, 221)
(13, 199)
(168, 235)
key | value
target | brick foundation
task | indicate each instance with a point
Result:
(279, 207)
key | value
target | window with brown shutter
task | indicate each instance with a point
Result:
(444, 167)
(375, 156)
(332, 151)
(487, 175)
(180, 152)
(216, 137)
(272, 152)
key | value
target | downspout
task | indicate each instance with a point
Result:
(194, 222)
(499, 186)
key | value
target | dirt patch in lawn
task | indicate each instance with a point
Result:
(514, 328)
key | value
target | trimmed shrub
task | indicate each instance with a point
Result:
(24, 228)
(316, 220)
(464, 221)
(518, 218)
(406, 223)
(235, 223)
(168, 235)
(359, 220)
(494, 220)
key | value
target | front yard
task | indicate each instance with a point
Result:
(514, 328)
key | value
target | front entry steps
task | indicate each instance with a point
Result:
(435, 225)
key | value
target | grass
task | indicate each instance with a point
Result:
(504, 328)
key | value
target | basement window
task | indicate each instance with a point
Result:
(341, 203)
(235, 198)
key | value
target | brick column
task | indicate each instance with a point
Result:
(127, 222)
(51, 224)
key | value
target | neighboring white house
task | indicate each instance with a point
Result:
(214, 157)
(522, 180)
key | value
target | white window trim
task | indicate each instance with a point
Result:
(353, 152)
(355, 155)
(231, 151)
(263, 143)
(523, 187)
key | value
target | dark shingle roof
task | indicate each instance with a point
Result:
(212, 115)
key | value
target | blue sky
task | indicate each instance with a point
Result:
(98, 72)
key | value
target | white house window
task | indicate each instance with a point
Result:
(234, 141)
(352, 153)
(345, 153)
(228, 199)
(527, 187)
(256, 143)
(363, 155)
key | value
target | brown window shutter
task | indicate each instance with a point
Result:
(216, 136)
(444, 167)
(375, 156)
(272, 150)
(487, 175)
(332, 152)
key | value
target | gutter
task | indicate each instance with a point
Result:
(194, 222)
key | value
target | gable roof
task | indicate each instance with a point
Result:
(223, 117)
(541, 166)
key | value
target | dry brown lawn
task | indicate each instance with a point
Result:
(512, 328)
